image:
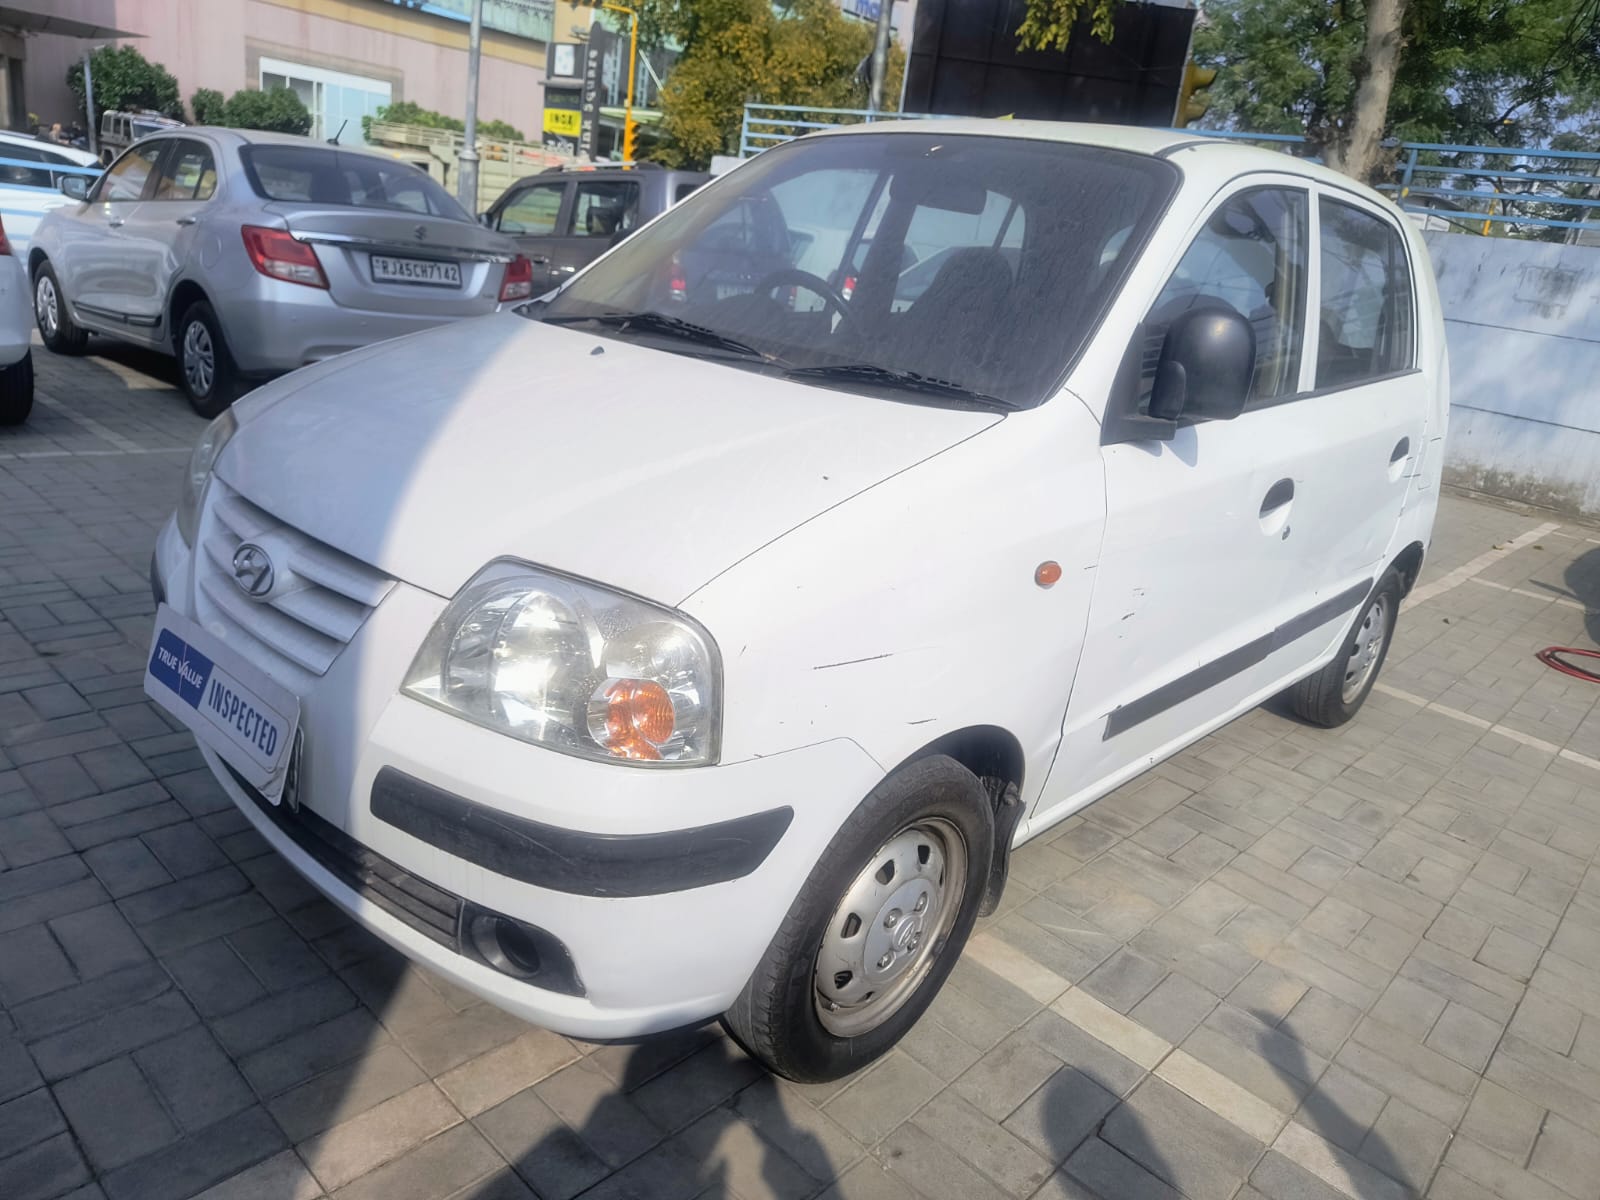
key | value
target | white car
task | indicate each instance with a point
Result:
(656, 653)
(16, 335)
(31, 171)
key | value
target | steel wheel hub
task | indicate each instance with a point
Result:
(199, 358)
(1368, 644)
(44, 305)
(883, 937)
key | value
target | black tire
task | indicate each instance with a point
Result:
(206, 369)
(16, 390)
(776, 1016)
(59, 331)
(1321, 699)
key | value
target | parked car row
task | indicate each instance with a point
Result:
(700, 638)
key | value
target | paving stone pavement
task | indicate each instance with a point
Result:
(1288, 963)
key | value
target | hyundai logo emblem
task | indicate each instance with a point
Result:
(252, 570)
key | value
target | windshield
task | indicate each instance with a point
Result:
(976, 261)
(312, 175)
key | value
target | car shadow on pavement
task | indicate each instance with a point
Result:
(1583, 580)
(1343, 1110)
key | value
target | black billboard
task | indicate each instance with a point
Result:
(965, 62)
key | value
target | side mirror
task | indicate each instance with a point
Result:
(486, 219)
(75, 186)
(1207, 359)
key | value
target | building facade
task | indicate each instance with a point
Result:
(345, 58)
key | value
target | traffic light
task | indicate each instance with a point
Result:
(1192, 100)
(630, 139)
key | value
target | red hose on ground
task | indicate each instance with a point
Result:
(1550, 656)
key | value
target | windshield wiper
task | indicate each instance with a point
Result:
(872, 375)
(662, 325)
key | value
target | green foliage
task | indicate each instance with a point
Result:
(277, 109)
(1049, 23)
(739, 51)
(1470, 72)
(209, 107)
(408, 112)
(125, 80)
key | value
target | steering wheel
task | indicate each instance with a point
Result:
(795, 277)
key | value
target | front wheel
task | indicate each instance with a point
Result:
(16, 390)
(877, 927)
(1336, 693)
(58, 330)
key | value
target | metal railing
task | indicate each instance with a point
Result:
(1470, 188)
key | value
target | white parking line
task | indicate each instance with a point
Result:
(1505, 731)
(1563, 601)
(1477, 566)
(126, 445)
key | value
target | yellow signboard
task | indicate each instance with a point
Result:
(566, 122)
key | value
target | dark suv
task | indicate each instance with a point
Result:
(565, 218)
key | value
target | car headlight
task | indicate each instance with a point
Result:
(204, 457)
(573, 666)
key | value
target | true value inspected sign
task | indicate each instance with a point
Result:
(231, 706)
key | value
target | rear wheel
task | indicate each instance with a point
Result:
(56, 326)
(205, 368)
(1336, 693)
(16, 391)
(875, 930)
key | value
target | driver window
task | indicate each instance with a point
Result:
(129, 174)
(1250, 257)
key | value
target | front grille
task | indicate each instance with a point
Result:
(323, 598)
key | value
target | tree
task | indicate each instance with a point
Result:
(1049, 24)
(1462, 71)
(277, 109)
(124, 80)
(409, 112)
(744, 51)
(209, 107)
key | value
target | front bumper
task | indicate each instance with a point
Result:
(665, 886)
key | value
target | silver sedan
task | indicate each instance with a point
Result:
(248, 254)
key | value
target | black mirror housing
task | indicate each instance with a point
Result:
(1207, 360)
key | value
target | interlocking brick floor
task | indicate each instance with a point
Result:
(1287, 963)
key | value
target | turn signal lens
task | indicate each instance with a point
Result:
(275, 253)
(632, 718)
(519, 280)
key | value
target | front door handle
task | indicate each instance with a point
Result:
(115, 222)
(1402, 449)
(540, 260)
(187, 220)
(1277, 496)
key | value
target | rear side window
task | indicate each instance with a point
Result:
(604, 208)
(188, 175)
(1367, 319)
(1251, 257)
(312, 175)
(683, 190)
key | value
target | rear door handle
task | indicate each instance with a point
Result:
(540, 260)
(187, 220)
(1402, 448)
(1277, 496)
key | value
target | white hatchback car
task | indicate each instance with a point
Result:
(669, 650)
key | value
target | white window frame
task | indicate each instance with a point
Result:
(321, 77)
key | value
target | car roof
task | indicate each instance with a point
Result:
(262, 137)
(70, 153)
(1213, 157)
